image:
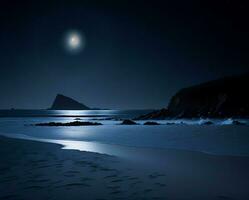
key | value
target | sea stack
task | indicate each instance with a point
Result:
(62, 102)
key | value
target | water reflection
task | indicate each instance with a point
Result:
(94, 147)
(86, 146)
(73, 113)
(83, 113)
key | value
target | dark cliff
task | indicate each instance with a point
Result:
(62, 102)
(226, 97)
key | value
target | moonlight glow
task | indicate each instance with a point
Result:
(74, 41)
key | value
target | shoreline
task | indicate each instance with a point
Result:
(38, 170)
(83, 146)
(168, 174)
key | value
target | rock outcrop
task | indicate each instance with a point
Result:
(151, 123)
(75, 123)
(128, 122)
(223, 98)
(157, 114)
(62, 102)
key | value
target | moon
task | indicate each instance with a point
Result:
(74, 41)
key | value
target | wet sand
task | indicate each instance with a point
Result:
(37, 170)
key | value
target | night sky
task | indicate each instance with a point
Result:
(137, 53)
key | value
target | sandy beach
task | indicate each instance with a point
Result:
(37, 170)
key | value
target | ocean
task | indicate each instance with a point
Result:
(221, 137)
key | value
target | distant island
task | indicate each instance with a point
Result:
(62, 102)
(222, 98)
